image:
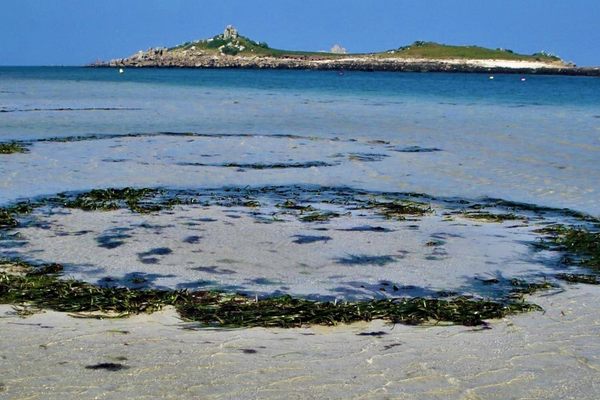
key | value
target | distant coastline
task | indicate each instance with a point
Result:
(351, 64)
(231, 50)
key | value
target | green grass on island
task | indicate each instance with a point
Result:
(243, 46)
(432, 50)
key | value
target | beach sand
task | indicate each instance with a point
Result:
(549, 355)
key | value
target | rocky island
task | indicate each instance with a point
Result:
(232, 50)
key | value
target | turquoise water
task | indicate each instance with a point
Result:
(461, 88)
(293, 102)
(535, 141)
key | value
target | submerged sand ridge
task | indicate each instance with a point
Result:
(313, 242)
(419, 164)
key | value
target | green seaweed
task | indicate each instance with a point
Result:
(47, 291)
(491, 217)
(292, 205)
(582, 245)
(319, 216)
(23, 207)
(580, 278)
(8, 215)
(251, 203)
(46, 269)
(12, 147)
(7, 219)
(285, 311)
(113, 199)
(401, 209)
(234, 310)
(521, 287)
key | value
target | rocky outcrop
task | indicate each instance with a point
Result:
(162, 58)
(230, 33)
(338, 49)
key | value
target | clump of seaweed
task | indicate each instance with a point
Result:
(251, 203)
(401, 209)
(235, 310)
(319, 216)
(521, 287)
(286, 311)
(583, 245)
(47, 291)
(491, 217)
(305, 164)
(8, 215)
(112, 199)
(12, 147)
(292, 205)
(23, 207)
(7, 219)
(365, 259)
(579, 278)
(46, 269)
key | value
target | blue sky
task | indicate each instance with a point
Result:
(73, 32)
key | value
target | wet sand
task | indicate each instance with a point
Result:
(549, 355)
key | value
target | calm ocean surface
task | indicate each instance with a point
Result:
(534, 141)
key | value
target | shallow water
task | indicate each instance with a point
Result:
(536, 141)
(264, 251)
(458, 137)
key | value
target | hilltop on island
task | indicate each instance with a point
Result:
(232, 50)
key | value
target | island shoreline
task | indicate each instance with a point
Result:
(404, 67)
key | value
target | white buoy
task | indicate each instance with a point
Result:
(491, 77)
(523, 79)
(121, 70)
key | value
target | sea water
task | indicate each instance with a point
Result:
(457, 138)
(533, 141)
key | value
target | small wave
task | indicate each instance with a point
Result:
(7, 110)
